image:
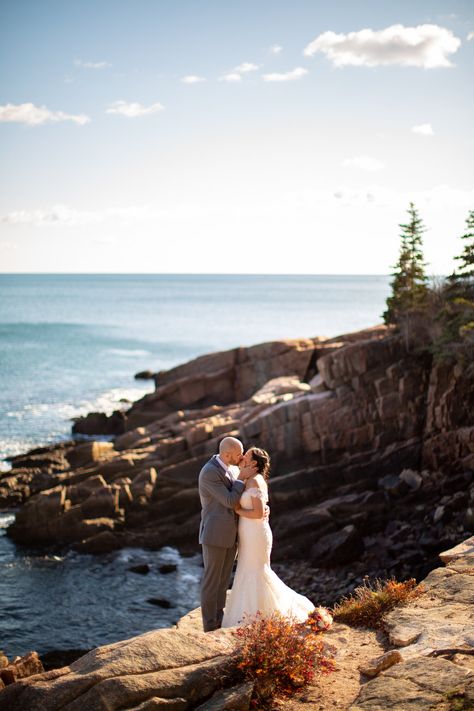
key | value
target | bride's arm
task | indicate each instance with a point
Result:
(258, 507)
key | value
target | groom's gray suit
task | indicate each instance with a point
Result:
(219, 493)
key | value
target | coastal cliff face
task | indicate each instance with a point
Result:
(421, 660)
(372, 449)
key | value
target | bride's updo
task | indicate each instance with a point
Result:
(263, 461)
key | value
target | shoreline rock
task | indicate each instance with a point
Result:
(371, 451)
(187, 669)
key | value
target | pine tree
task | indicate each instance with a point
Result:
(457, 314)
(465, 271)
(409, 284)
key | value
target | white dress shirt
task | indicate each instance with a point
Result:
(231, 470)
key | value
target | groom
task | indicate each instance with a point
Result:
(219, 492)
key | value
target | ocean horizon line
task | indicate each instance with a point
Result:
(210, 274)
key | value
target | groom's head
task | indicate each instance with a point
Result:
(231, 450)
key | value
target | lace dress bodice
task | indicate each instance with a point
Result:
(246, 498)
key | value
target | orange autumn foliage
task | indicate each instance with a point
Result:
(280, 655)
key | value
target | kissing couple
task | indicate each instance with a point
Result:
(233, 488)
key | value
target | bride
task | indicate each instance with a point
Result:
(257, 588)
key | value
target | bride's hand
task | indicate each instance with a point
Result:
(247, 471)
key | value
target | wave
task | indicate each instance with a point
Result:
(6, 519)
(108, 401)
(52, 421)
(129, 352)
(10, 447)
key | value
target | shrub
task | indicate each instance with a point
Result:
(280, 655)
(458, 700)
(367, 605)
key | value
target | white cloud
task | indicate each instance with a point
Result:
(470, 36)
(275, 49)
(91, 65)
(246, 67)
(35, 115)
(425, 46)
(192, 79)
(286, 76)
(364, 163)
(424, 129)
(232, 76)
(71, 217)
(439, 197)
(133, 109)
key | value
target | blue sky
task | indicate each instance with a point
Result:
(307, 129)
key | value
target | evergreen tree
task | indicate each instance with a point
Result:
(465, 271)
(409, 284)
(457, 314)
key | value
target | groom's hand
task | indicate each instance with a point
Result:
(247, 471)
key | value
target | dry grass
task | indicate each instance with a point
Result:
(369, 603)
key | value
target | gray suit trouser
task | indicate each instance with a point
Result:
(218, 563)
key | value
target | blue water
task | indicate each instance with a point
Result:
(70, 344)
(82, 601)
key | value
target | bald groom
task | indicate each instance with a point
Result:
(219, 492)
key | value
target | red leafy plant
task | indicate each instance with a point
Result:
(280, 655)
(369, 602)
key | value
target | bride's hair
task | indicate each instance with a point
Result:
(263, 461)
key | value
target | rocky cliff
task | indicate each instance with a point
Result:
(423, 660)
(372, 448)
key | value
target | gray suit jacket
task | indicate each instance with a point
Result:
(218, 497)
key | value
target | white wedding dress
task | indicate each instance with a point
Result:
(257, 588)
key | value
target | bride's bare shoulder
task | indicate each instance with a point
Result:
(257, 482)
(252, 482)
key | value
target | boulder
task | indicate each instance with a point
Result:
(131, 439)
(385, 661)
(161, 664)
(143, 484)
(412, 478)
(144, 375)
(98, 423)
(51, 459)
(20, 668)
(167, 568)
(418, 685)
(161, 602)
(276, 387)
(104, 542)
(102, 502)
(86, 453)
(237, 698)
(317, 384)
(466, 548)
(142, 569)
(343, 546)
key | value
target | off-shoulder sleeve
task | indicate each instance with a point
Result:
(254, 491)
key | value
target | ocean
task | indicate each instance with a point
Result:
(70, 344)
